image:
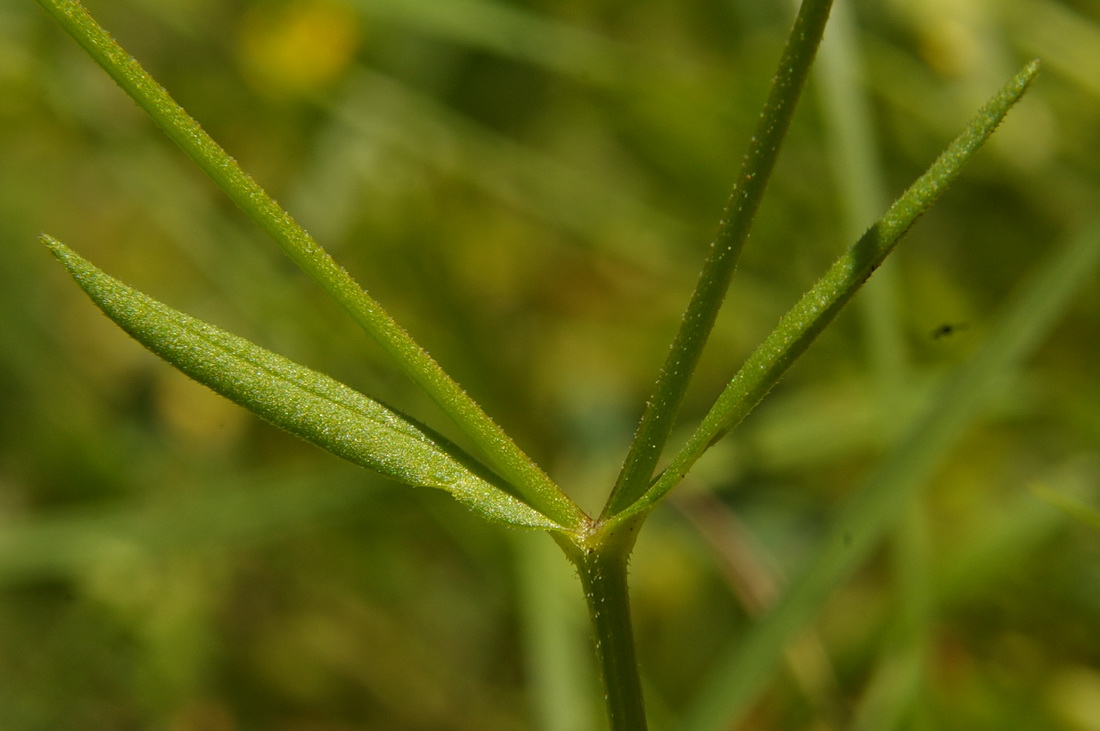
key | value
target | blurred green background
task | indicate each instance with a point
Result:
(529, 186)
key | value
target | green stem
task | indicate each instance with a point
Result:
(602, 566)
(504, 455)
(660, 412)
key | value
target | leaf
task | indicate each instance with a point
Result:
(503, 454)
(311, 405)
(660, 412)
(884, 494)
(801, 325)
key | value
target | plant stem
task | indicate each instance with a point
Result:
(602, 567)
(503, 454)
(698, 321)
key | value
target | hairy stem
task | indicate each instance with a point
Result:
(602, 566)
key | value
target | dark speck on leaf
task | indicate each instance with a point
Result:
(947, 329)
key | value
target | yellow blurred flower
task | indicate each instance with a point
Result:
(297, 47)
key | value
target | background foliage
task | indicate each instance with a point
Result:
(529, 186)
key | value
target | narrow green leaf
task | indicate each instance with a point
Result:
(817, 308)
(311, 405)
(882, 497)
(710, 291)
(504, 455)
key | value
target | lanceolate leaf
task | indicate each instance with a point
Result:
(658, 418)
(817, 308)
(503, 454)
(311, 405)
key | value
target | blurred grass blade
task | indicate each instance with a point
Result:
(513, 32)
(504, 455)
(313, 406)
(557, 661)
(884, 495)
(660, 412)
(854, 155)
(817, 308)
(1069, 505)
(597, 207)
(230, 513)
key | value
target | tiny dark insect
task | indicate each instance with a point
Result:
(947, 329)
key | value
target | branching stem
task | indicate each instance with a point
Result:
(660, 412)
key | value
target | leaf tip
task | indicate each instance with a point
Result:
(1031, 70)
(50, 243)
(63, 253)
